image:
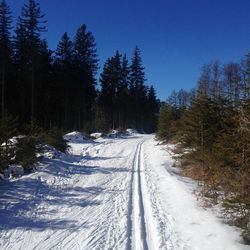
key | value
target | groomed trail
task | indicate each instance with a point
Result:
(117, 193)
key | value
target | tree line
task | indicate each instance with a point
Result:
(212, 121)
(59, 88)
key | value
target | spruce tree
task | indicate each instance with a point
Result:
(5, 49)
(86, 63)
(117, 80)
(138, 91)
(164, 131)
(152, 110)
(64, 70)
(199, 124)
(7, 130)
(85, 50)
(110, 80)
(64, 51)
(43, 86)
(123, 94)
(29, 27)
(21, 66)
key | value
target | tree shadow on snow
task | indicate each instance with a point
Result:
(32, 204)
(79, 157)
(66, 169)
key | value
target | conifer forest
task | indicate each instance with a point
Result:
(60, 88)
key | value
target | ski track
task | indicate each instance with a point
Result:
(111, 194)
(137, 236)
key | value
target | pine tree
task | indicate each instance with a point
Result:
(5, 49)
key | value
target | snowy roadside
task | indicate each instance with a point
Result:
(175, 202)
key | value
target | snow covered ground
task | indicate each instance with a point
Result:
(109, 194)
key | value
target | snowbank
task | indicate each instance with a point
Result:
(75, 136)
(97, 135)
(13, 141)
(116, 134)
(131, 131)
(13, 171)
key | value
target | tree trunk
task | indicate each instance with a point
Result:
(3, 93)
(32, 95)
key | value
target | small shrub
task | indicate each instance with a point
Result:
(178, 149)
(7, 131)
(26, 148)
(54, 138)
(246, 234)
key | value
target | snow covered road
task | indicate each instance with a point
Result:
(109, 194)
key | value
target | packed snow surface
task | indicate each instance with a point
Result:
(109, 194)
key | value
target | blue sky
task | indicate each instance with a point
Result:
(176, 37)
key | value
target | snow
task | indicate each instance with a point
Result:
(131, 131)
(13, 171)
(75, 136)
(119, 193)
(195, 227)
(13, 141)
(49, 152)
(97, 135)
(114, 134)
